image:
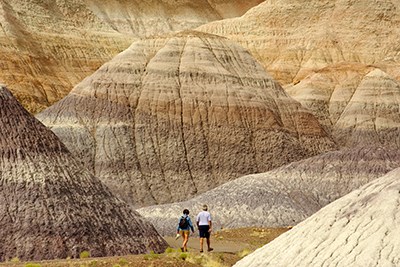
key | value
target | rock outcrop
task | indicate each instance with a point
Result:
(50, 206)
(48, 46)
(295, 38)
(358, 104)
(170, 118)
(360, 229)
(284, 196)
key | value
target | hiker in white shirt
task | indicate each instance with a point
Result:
(204, 225)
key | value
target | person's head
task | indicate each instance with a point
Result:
(205, 208)
(186, 211)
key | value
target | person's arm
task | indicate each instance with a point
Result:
(191, 225)
(209, 224)
(177, 228)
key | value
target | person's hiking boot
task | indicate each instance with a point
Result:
(182, 249)
(210, 249)
(201, 251)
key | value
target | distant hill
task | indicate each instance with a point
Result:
(48, 46)
(338, 58)
(292, 39)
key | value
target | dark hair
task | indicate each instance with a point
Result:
(186, 211)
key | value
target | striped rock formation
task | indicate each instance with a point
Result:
(50, 206)
(358, 104)
(360, 229)
(49, 46)
(338, 58)
(284, 196)
(295, 38)
(170, 118)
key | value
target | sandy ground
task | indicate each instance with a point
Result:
(230, 245)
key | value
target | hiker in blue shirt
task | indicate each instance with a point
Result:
(184, 227)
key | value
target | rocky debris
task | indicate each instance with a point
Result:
(359, 229)
(172, 117)
(295, 38)
(358, 104)
(48, 46)
(51, 206)
(284, 196)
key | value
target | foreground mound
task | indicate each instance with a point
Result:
(360, 229)
(172, 117)
(50, 206)
(285, 196)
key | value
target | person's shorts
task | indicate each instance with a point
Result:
(184, 232)
(203, 231)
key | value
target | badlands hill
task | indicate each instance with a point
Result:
(172, 117)
(52, 207)
(49, 46)
(357, 104)
(295, 38)
(338, 58)
(360, 229)
(284, 196)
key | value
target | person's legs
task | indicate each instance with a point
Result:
(209, 248)
(185, 240)
(201, 244)
(185, 235)
(203, 230)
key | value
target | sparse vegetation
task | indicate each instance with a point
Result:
(246, 240)
(32, 265)
(244, 253)
(183, 256)
(123, 262)
(84, 254)
(170, 250)
(151, 256)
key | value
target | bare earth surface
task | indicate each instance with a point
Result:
(229, 245)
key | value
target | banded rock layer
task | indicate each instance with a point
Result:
(358, 104)
(49, 46)
(360, 229)
(50, 206)
(295, 38)
(284, 196)
(172, 117)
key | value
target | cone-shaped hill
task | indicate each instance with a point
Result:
(173, 117)
(360, 229)
(284, 196)
(52, 207)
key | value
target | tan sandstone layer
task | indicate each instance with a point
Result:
(173, 117)
(358, 104)
(360, 229)
(47, 46)
(51, 207)
(295, 38)
(284, 196)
